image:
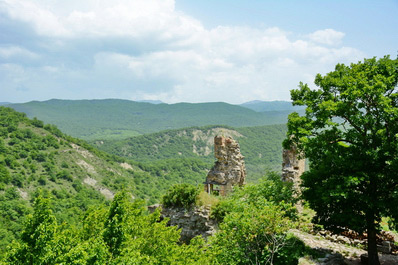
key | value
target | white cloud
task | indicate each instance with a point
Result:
(102, 18)
(145, 49)
(44, 21)
(327, 36)
(14, 51)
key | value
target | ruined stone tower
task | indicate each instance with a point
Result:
(229, 169)
(292, 167)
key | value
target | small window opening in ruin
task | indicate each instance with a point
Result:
(296, 168)
(216, 189)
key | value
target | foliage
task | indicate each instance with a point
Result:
(206, 199)
(34, 155)
(181, 195)
(252, 236)
(258, 144)
(114, 118)
(254, 224)
(123, 234)
(350, 134)
(38, 237)
(270, 188)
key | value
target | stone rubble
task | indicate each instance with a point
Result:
(193, 222)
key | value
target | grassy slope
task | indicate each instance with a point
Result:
(261, 145)
(118, 119)
(37, 157)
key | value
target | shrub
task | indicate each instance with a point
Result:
(181, 195)
(255, 235)
(65, 174)
(5, 176)
(37, 123)
(221, 209)
(205, 198)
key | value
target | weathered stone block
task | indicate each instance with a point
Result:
(229, 169)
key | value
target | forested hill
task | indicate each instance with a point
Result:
(261, 145)
(118, 119)
(35, 156)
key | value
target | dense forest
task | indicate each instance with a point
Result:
(37, 156)
(58, 205)
(261, 146)
(119, 119)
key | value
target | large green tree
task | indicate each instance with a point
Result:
(350, 135)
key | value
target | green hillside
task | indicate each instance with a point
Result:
(34, 157)
(119, 119)
(56, 207)
(261, 145)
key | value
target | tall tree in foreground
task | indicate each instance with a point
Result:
(350, 135)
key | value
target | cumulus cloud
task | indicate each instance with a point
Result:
(145, 49)
(327, 36)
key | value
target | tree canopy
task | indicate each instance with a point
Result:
(350, 135)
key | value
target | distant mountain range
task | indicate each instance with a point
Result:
(261, 106)
(151, 101)
(120, 119)
(4, 103)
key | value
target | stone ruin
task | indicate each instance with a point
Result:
(292, 167)
(229, 169)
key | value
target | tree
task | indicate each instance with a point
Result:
(254, 235)
(38, 238)
(350, 135)
(254, 221)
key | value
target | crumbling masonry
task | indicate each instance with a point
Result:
(292, 167)
(229, 169)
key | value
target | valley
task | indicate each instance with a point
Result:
(114, 119)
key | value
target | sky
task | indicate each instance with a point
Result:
(232, 51)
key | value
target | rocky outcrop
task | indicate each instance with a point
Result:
(193, 222)
(229, 169)
(292, 167)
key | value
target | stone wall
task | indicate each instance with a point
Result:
(292, 167)
(193, 222)
(229, 169)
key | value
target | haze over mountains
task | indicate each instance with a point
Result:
(262, 106)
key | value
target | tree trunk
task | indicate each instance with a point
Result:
(372, 245)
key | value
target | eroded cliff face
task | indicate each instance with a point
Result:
(229, 169)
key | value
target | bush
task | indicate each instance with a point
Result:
(221, 209)
(64, 174)
(37, 123)
(255, 235)
(5, 176)
(181, 195)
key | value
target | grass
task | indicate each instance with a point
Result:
(205, 199)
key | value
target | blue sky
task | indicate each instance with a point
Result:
(184, 50)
